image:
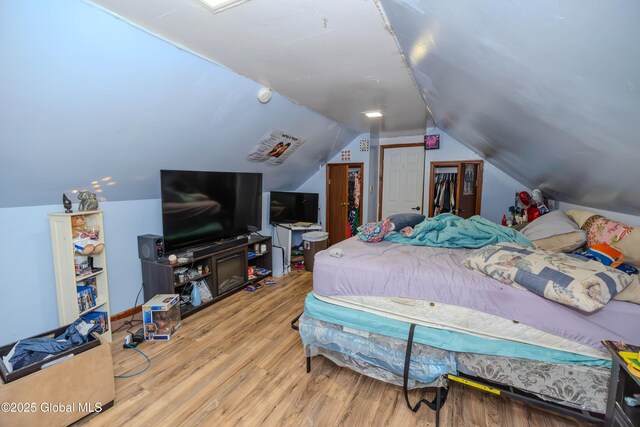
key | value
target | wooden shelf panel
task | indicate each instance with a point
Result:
(88, 276)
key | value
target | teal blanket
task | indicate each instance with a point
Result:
(450, 231)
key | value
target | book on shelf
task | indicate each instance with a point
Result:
(98, 318)
(93, 284)
(86, 299)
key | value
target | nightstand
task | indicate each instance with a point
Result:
(622, 384)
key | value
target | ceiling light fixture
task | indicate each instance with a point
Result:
(217, 6)
(373, 114)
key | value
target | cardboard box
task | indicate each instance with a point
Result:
(161, 317)
(73, 387)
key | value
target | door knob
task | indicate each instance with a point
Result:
(417, 208)
(343, 204)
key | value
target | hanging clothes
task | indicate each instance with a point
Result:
(353, 209)
(445, 193)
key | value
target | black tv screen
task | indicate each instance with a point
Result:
(288, 207)
(204, 207)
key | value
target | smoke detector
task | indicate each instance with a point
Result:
(264, 95)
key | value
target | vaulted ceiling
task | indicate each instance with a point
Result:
(547, 91)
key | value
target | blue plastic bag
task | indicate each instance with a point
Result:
(195, 296)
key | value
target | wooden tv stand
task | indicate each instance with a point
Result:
(225, 272)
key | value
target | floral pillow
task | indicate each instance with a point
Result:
(570, 280)
(602, 230)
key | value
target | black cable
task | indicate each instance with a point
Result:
(130, 321)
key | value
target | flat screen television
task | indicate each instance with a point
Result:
(204, 207)
(288, 207)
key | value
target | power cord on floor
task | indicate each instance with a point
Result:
(130, 321)
(137, 373)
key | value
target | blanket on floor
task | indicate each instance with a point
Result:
(450, 231)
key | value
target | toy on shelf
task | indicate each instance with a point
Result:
(527, 207)
(84, 238)
(88, 201)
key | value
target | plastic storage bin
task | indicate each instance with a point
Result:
(313, 242)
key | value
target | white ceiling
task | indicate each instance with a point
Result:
(334, 56)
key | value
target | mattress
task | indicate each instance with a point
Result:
(440, 338)
(382, 358)
(389, 269)
(460, 319)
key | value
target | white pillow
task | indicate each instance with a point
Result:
(552, 224)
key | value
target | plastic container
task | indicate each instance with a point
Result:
(313, 242)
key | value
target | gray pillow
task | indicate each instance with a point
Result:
(403, 220)
(552, 224)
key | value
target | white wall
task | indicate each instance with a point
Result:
(498, 189)
(318, 182)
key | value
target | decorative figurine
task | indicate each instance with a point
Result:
(66, 203)
(88, 201)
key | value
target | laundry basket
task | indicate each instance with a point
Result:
(313, 241)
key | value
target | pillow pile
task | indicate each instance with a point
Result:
(621, 236)
(603, 230)
(555, 231)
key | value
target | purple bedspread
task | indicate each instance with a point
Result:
(436, 274)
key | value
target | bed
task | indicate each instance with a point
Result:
(363, 304)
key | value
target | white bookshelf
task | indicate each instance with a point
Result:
(65, 272)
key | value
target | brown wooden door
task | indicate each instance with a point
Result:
(337, 202)
(469, 188)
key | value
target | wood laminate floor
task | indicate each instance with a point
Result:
(239, 363)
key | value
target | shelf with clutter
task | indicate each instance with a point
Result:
(526, 208)
(80, 268)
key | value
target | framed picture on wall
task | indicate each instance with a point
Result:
(469, 180)
(432, 142)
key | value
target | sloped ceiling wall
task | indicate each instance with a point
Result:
(547, 91)
(87, 96)
(337, 57)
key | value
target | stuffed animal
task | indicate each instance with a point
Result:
(82, 241)
(88, 201)
(77, 225)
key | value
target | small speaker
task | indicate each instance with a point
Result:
(150, 247)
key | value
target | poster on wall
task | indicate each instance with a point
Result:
(275, 147)
(432, 142)
(469, 180)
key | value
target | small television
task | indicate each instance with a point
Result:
(204, 207)
(288, 207)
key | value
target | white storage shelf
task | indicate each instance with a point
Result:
(64, 266)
